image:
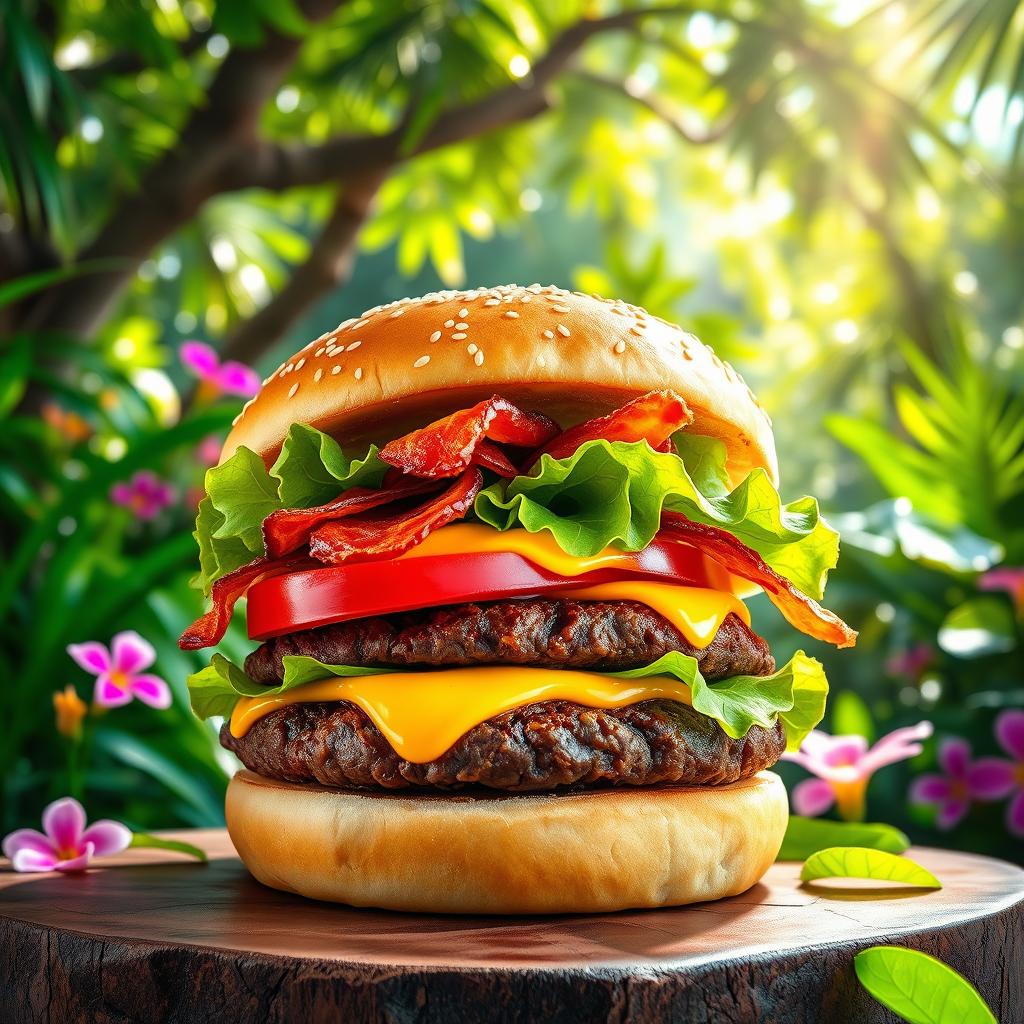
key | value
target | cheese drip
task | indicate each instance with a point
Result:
(423, 714)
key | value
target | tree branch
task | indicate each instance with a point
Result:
(659, 110)
(174, 189)
(278, 166)
(328, 265)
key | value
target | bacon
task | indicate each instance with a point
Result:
(209, 629)
(370, 537)
(447, 447)
(289, 529)
(798, 609)
(653, 418)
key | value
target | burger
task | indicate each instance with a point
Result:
(495, 547)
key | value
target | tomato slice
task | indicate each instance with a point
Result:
(319, 597)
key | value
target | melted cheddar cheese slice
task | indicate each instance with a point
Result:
(423, 714)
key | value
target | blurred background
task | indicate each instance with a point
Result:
(829, 193)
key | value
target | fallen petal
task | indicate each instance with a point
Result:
(27, 839)
(64, 822)
(107, 837)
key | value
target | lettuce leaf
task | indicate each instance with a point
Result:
(795, 693)
(240, 493)
(216, 689)
(613, 492)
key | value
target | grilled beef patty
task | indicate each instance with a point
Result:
(603, 635)
(538, 747)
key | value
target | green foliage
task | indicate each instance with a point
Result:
(921, 989)
(806, 836)
(865, 862)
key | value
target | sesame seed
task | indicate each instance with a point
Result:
(422, 361)
(549, 334)
(359, 373)
(289, 368)
(281, 374)
(620, 347)
(459, 336)
(479, 359)
(527, 298)
(359, 324)
(563, 330)
(493, 302)
(436, 336)
(511, 314)
(463, 312)
(559, 308)
(449, 323)
(687, 354)
(472, 349)
(461, 327)
(636, 330)
(299, 365)
(293, 389)
(336, 369)
(320, 351)
(353, 346)
(316, 376)
(398, 312)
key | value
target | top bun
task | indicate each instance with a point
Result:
(572, 356)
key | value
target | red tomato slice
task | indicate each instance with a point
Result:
(318, 597)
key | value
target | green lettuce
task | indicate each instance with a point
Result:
(613, 492)
(241, 492)
(795, 694)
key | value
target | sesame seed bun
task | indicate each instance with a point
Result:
(582, 852)
(572, 356)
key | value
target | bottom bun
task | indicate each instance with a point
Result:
(581, 852)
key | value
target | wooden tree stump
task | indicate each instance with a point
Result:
(161, 938)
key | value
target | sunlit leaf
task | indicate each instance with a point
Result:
(863, 862)
(980, 626)
(806, 836)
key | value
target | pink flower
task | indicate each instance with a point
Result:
(965, 781)
(844, 764)
(145, 494)
(911, 662)
(209, 450)
(228, 378)
(1010, 735)
(65, 844)
(1008, 578)
(118, 672)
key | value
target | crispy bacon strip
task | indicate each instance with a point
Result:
(209, 629)
(799, 610)
(369, 537)
(289, 529)
(447, 446)
(653, 418)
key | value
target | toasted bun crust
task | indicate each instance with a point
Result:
(572, 356)
(538, 854)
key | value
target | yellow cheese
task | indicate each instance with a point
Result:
(695, 611)
(542, 549)
(422, 714)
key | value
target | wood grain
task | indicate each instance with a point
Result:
(161, 938)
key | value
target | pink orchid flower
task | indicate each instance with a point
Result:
(1008, 578)
(145, 494)
(229, 378)
(1010, 734)
(65, 844)
(844, 764)
(118, 671)
(964, 782)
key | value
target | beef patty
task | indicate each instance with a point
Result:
(537, 747)
(606, 635)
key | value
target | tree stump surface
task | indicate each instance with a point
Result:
(152, 936)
